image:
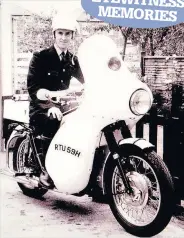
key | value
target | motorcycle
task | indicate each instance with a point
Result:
(127, 171)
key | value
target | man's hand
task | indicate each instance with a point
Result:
(55, 112)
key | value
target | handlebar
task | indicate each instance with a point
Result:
(58, 96)
(54, 96)
(23, 97)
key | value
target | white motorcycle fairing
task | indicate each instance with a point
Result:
(69, 160)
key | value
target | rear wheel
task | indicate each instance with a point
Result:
(23, 163)
(148, 209)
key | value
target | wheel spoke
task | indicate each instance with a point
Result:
(138, 164)
(23, 159)
(146, 173)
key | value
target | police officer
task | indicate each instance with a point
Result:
(52, 69)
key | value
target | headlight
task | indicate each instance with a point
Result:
(114, 63)
(140, 102)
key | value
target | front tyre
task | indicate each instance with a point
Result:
(148, 209)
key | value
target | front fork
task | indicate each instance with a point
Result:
(115, 150)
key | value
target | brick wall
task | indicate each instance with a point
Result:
(165, 77)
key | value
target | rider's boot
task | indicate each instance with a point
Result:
(45, 179)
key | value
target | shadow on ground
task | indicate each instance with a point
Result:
(178, 216)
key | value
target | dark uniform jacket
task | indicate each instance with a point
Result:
(48, 72)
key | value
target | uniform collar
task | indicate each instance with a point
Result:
(58, 50)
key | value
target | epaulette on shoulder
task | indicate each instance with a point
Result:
(44, 51)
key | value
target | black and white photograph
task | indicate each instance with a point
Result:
(91, 125)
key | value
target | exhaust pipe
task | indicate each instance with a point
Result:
(31, 182)
(28, 182)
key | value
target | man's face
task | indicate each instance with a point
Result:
(63, 38)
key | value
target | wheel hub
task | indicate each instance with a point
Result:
(139, 185)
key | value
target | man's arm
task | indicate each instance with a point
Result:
(34, 76)
(35, 81)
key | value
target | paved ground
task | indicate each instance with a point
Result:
(62, 216)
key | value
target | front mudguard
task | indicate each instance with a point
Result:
(138, 144)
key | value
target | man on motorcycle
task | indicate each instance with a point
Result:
(52, 69)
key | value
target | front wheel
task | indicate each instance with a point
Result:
(147, 210)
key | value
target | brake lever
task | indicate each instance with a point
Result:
(65, 99)
(62, 100)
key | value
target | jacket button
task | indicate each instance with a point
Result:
(61, 81)
(63, 70)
